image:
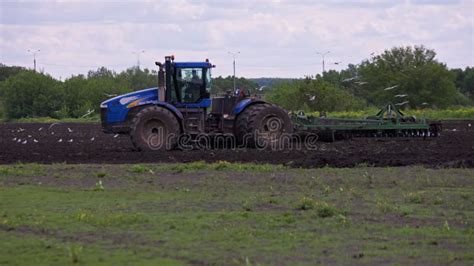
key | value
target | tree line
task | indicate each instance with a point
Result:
(408, 76)
(405, 75)
(26, 93)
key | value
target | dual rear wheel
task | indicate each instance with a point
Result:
(262, 126)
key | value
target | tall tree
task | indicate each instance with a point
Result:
(221, 85)
(413, 74)
(464, 80)
(312, 95)
(7, 71)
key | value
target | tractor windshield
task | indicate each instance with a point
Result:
(190, 82)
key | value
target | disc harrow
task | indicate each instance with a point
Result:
(389, 122)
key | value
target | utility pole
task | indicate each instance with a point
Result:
(322, 57)
(138, 56)
(233, 56)
(34, 52)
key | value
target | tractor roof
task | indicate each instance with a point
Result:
(193, 64)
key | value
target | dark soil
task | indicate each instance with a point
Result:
(85, 143)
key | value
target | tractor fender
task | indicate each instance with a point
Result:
(172, 108)
(242, 105)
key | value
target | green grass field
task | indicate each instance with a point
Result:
(234, 214)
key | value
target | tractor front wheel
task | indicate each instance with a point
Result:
(154, 128)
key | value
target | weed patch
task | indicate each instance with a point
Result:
(415, 197)
(322, 208)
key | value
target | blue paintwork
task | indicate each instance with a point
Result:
(244, 104)
(171, 108)
(118, 107)
(241, 106)
(204, 103)
(193, 65)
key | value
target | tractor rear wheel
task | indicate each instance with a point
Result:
(154, 128)
(262, 125)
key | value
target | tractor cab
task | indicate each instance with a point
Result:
(187, 84)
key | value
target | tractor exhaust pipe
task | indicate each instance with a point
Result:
(161, 82)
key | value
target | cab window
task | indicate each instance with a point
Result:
(190, 82)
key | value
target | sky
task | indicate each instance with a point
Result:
(282, 38)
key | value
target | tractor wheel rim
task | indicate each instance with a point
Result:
(154, 132)
(272, 127)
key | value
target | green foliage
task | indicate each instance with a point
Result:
(63, 112)
(31, 94)
(101, 174)
(323, 209)
(21, 170)
(221, 85)
(270, 83)
(464, 80)
(8, 71)
(82, 94)
(100, 219)
(415, 72)
(99, 186)
(313, 95)
(306, 204)
(137, 79)
(224, 165)
(138, 168)
(417, 197)
(74, 252)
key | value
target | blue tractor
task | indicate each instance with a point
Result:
(156, 118)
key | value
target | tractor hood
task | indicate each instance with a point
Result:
(132, 99)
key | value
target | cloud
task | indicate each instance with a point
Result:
(275, 38)
(435, 2)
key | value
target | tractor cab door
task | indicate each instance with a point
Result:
(192, 85)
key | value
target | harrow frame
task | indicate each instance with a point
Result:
(388, 122)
